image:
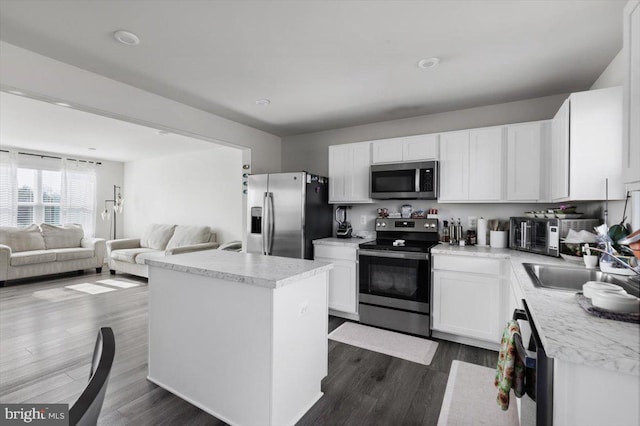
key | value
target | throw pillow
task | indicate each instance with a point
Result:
(189, 235)
(66, 236)
(22, 239)
(156, 236)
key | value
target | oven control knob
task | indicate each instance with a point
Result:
(384, 224)
(433, 225)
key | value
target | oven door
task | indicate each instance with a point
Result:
(402, 278)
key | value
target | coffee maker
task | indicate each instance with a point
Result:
(344, 226)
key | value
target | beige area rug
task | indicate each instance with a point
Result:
(387, 342)
(470, 398)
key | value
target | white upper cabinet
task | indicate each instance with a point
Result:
(386, 151)
(454, 166)
(471, 165)
(559, 152)
(582, 162)
(486, 164)
(349, 173)
(411, 148)
(524, 152)
(419, 148)
(631, 115)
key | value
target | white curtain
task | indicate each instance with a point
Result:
(78, 197)
(8, 189)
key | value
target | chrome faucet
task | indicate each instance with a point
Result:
(636, 269)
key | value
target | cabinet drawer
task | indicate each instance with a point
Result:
(474, 265)
(335, 252)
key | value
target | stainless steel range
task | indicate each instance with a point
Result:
(395, 275)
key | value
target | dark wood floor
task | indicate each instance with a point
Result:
(47, 335)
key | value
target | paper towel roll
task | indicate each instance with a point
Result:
(482, 232)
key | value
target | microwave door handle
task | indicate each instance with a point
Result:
(417, 181)
(523, 233)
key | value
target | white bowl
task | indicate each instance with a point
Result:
(591, 287)
(614, 301)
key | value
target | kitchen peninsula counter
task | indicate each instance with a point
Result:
(596, 368)
(242, 336)
(567, 331)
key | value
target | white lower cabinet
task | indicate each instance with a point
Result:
(470, 299)
(343, 282)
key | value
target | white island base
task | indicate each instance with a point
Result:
(245, 353)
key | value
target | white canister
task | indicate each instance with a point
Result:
(498, 239)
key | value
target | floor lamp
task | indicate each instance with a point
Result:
(117, 207)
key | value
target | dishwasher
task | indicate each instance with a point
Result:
(537, 402)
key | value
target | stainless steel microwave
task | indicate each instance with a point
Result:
(543, 235)
(409, 181)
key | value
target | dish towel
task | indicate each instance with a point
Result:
(510, 370)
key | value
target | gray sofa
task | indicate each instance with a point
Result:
(157, 240)
(47, 249)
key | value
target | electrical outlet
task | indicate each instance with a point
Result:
(363, 220)
(473, 222)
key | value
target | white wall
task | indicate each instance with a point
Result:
(613, 75)
(109, 173)
(200, 188)
(463, 211)
(48, 79)
(310, 151)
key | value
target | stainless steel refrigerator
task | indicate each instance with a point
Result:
(287, 211)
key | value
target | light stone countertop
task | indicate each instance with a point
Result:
(247, 268)
(345, 242)
(568, 332)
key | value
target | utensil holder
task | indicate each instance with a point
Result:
(498, 239)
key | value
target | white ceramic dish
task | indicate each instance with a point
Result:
(614, 301)
(590, 287)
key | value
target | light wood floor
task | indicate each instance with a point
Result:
(47, 333)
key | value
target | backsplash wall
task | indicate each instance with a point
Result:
(446, 211)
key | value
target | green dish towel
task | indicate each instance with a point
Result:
(510, 369)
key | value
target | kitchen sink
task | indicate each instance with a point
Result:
(572, 278)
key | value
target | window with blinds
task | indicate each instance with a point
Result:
(39, 195)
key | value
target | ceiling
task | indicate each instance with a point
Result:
(39, 126)
(328, 64)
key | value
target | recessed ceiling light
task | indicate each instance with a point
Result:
(428, 63)
(263, 102)
(162, 132)
(92, 149)
(126, 37)
(63, 104)
(16, 92)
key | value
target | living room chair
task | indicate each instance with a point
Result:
(86, 409)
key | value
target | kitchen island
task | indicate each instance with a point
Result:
(241, 336)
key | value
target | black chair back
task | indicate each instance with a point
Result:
(87, 408)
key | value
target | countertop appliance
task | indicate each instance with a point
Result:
(287, 211)
(395, 275)
(344, 226)
(542, 235)
(411, 181)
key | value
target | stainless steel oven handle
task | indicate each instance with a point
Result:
(394, 254)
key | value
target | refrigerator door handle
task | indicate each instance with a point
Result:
(265, 218)
(267, 236)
